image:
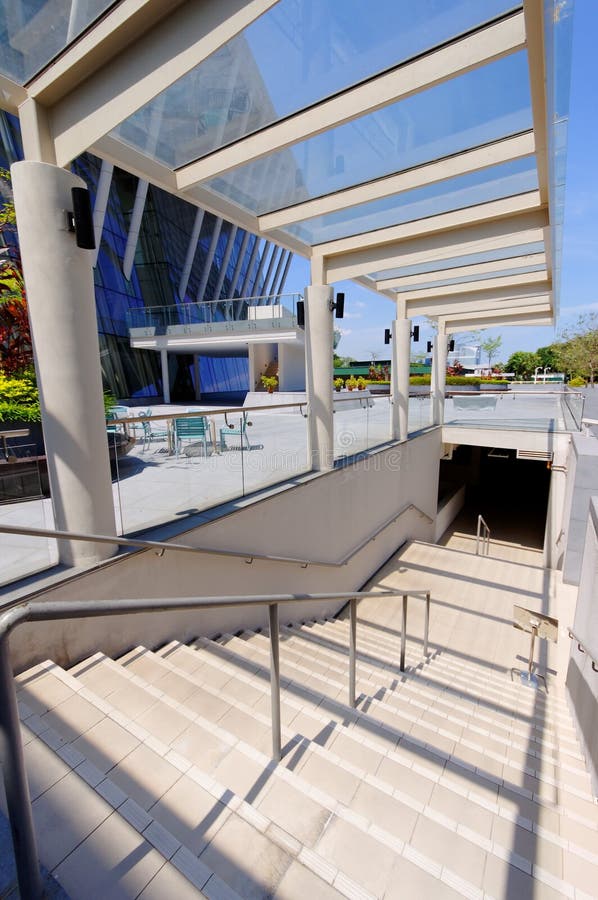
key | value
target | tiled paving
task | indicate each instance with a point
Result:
(447, 780)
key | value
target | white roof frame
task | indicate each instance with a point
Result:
(487, 284)
(472, 307)
(523, 316)
(510, 148)
(459, 56)
(483, 268)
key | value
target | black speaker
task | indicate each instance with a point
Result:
(429, 346)
(339, 307)
(415, 333)
(451, 346)
(301, 313)
(387, 335)
(83, 219)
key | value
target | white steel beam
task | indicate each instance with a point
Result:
(455, 58)
(533, 11)
(190, 254)
(493, 265)
(508, 282)
(134, 228)
(207, 268)
(122, 77)
(225, 261)
(101, 205)
(448, 221)
(525, 316)
(471, 307)
(450, 167)
(511, 231)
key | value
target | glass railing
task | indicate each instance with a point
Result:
(24, 500)
(361, 421)
(518, 409)
(420, 412)
(168, 466)
(271, 310)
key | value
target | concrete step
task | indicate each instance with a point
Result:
(109, 845)
(374, 671)
(330, 765)
(542, 776)
(406, 766)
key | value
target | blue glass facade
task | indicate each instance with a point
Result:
(161, 251)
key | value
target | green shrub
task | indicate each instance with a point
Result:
(577, 382)
(19, 412)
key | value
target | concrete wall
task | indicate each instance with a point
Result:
(582, 680)
(448, 512)
(291, 367)
(260, 357)
(582, 483)
(323, 519)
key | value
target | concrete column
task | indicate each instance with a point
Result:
(401, 352)
(319, 372)
(165, 378)
(197, 376)
(439, 376)
(61, 302)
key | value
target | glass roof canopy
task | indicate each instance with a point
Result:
(391, 144)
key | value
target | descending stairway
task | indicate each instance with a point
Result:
(151, 775)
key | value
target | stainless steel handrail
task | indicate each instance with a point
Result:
(13, 764)
(583, 649)
(485, 538)
(162, 546)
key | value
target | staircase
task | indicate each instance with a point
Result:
(151, 775)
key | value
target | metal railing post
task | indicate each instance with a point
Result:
(477, 540)
(403, 633)
(275, 680)
(18, 800)
(352, 650)
(427, 623)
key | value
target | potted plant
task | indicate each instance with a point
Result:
(351, 383)
(270, 382)
(338, 384)
(361, 383)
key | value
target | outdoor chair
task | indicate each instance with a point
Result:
(235, 432)
(113, 414)
(155, 431)
(138, 429)
(196, 430)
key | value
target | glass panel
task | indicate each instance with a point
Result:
(167, 467)
(536, 408)
(361, 421)
(476, 108)
(420, 408)
(469, 259)
(321, 48)
(24, 502)
(33, 33)
(465, 279)
(505, 180)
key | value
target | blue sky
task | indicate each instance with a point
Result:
(367, 315)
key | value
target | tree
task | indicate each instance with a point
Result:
(16, 354)
(491, 346)
(578, 354)
(548, 357)
(522, 363)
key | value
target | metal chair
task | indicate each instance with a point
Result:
(231, 431)
(195, 429)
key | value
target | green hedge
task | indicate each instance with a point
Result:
(458, 379)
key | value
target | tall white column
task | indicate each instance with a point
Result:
(62, 312)
(319, 372)
(401, 352)
(165, 378)
(439, 375)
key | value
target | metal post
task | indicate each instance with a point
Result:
(477, 540)
(352, 650)
(275, 681)
(16, 786)
(403, 633)
(530, 664)
(427, 623)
